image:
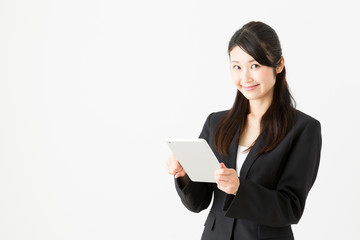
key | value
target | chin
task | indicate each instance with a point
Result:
(249, 96)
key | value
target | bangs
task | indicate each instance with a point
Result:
(252, 45)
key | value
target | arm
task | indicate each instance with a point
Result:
(285, 204)
(196, 196)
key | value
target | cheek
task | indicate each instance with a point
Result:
(235, 78)
(267, 78)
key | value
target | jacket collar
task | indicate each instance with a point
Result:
(251, 157)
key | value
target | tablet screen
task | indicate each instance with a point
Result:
(196, 157)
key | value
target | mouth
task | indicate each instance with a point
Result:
(250, 88)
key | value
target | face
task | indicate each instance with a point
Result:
(253, 80)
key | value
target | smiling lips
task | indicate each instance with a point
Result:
(250, 88)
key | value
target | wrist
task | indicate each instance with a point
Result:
(237, 188)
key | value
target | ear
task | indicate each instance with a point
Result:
(281, 65)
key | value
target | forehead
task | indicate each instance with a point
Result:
(239, 55)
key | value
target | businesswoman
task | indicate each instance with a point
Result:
(269, 151)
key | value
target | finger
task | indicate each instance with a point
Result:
(225, 186)
(227, 177)
(222, 185)
(172, 163)
(224, 172)
(180, 174)
(168, 167)
(176, 166)
(224, 180)
(221, 171)
(223, 165)
(217, 177)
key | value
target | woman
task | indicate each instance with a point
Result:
(269, 151)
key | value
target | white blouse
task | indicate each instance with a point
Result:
(240, 158)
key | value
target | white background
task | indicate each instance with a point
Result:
(90, 89)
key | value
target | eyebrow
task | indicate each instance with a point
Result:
(250, 61)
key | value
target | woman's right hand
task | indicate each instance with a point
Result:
(174, 167)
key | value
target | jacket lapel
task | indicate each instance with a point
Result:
(233, 150)
(251, 157)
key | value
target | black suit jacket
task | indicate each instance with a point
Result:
(273, 186)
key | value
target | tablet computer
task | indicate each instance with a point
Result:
(196, 157)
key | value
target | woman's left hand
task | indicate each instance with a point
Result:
(227, 180)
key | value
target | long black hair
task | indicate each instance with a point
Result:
(262, 43)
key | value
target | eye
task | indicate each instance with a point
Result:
(237, 67)
(255, 66)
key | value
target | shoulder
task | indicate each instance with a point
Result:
(210, 124)
(305, 121)
(215, 117)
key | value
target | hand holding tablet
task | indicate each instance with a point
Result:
(196, 157)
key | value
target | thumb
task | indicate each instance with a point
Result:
(223, 165)
(180, 174)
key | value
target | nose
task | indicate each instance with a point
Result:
(245, 77)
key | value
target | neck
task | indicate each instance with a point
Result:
(259, 107)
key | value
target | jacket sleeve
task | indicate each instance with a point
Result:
(285, 204)
(196, 196)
